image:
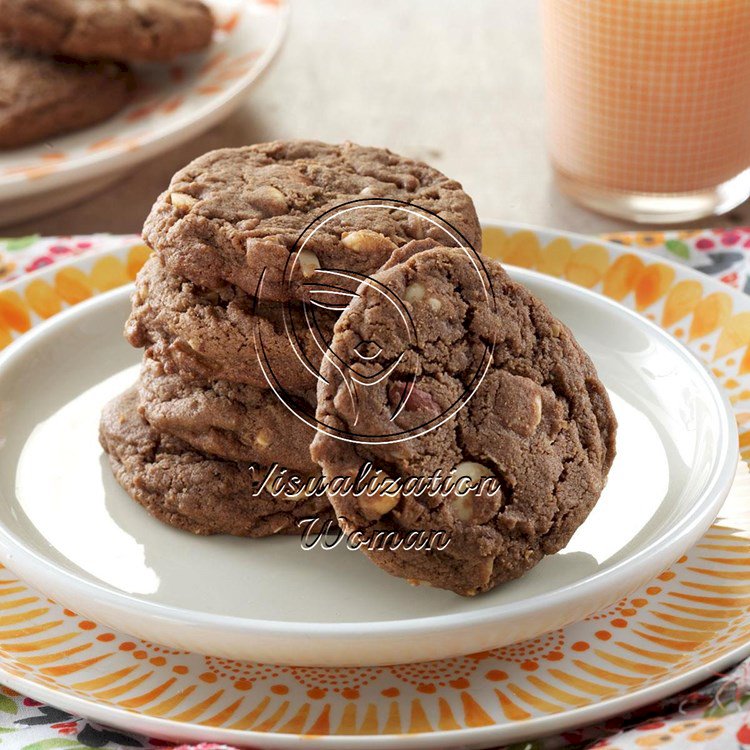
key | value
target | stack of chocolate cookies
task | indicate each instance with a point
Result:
(321, 314)
(64, 64)
(255, 249)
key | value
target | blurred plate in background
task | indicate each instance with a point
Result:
(176, 102)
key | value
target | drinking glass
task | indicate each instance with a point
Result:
(648, 105)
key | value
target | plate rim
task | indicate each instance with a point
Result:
(664, 550)
(513, 731)
(17, 187)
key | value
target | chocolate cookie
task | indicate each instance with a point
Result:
(42, 97)
(236, 215)
(228, 420)
(445, 368)
(193, 492)
(128, 30)
(217, 335)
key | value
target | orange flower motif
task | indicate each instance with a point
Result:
(6, 267)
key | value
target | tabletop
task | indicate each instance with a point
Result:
(457, 84)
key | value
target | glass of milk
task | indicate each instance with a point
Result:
(648, 105)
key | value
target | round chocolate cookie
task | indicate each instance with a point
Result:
(228, 420)
(218, 334)
(41, 97)
(193, 492)
(460, 405)
(128, 30)
(239, 215)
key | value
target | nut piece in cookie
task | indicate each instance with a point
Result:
(126, 30)
(269, 218)
(489, 414)
(43, 97)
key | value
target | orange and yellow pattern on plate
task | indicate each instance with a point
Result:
(691, 615)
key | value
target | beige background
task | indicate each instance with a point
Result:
(457, 83)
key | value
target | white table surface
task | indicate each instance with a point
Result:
(457, 83)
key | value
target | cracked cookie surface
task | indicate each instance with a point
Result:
(126, 30)
(539, 425)
(41, 97)
(236, 215)
(192, 491)
(227, 420)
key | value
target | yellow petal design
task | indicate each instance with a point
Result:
(72, 285)
(108, 273)
(735, 334)
(587, 266)
(555, 257)
(653, 284)
(710, 313)
(681, 301)
(494, 240)
(622, 276)
(42, 299)
(522, 249)
(137, 256)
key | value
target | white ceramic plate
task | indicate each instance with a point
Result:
(688, 623)
(69, 530)
(175, 102)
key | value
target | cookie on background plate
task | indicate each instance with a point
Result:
(126, 30)
(443, 367)
(41, 97)
(192, 491)
(236, 215)
(218, 334)
(228, 420)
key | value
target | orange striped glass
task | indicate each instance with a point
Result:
(649, 105)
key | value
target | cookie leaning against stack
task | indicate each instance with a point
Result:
(64, 63)
(491, 388)
(223, 233)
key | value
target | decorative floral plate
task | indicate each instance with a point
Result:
(689, 622)
(174, 102)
